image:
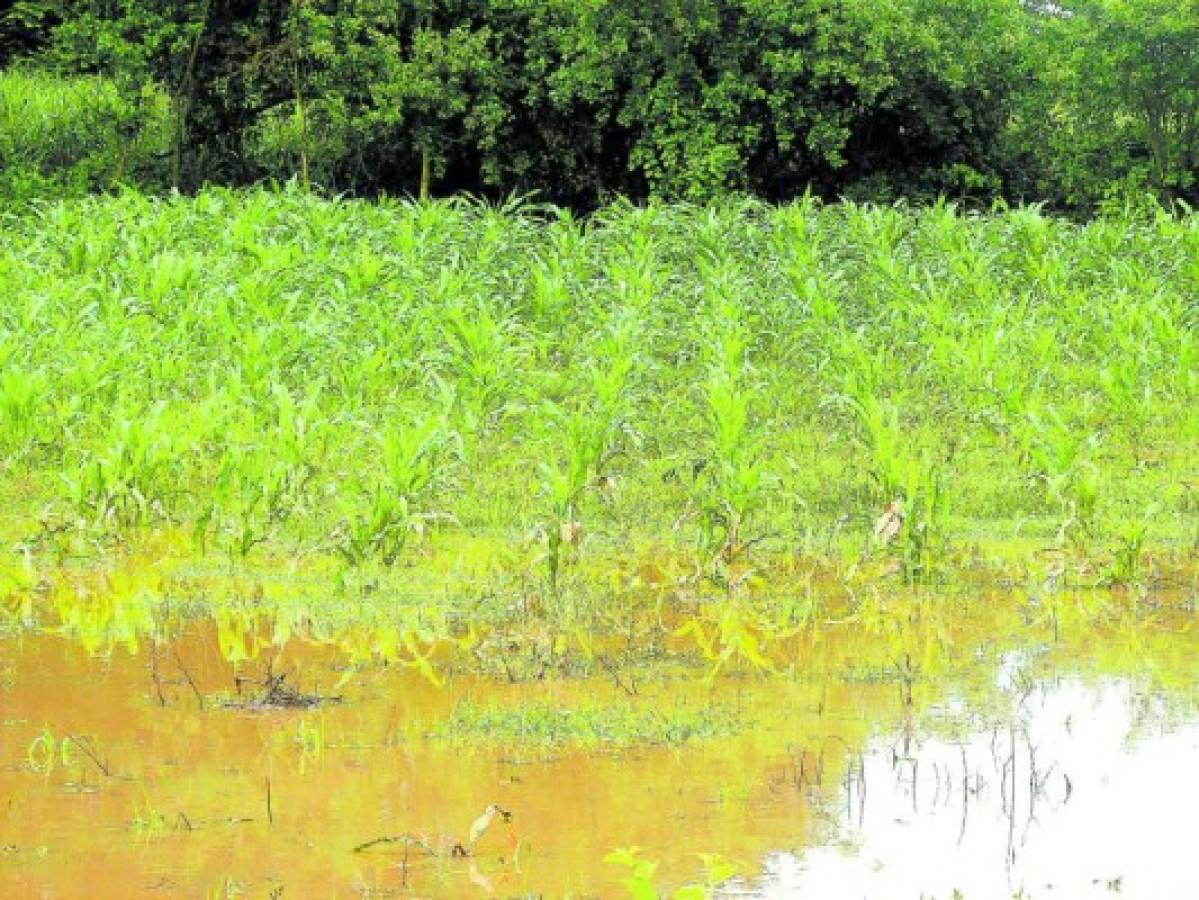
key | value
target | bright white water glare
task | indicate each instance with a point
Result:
(1089, 792)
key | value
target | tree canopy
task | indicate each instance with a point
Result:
(581, 100)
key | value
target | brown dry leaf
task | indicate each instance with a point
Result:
(731, 551)
(569, 532)
(890, 523)
(651, 574)
(739, 578)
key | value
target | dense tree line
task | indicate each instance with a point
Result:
(580, 100)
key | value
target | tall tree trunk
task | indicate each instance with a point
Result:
(184, 98)
(301, 109)
(302, 112)
(426, 171)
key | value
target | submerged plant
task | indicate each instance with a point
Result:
(47, 751)
(732, 632)
(310, 741)
(148, 822)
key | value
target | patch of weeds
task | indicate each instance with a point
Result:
(619, 725)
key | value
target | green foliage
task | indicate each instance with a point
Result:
(736, 477)
(384, 514)
(125, 480)
(504, 402)
(25, 27)
(639, 878)
(1075, 104)
(70, 136)
(1143, 54)
(1113, 113)
(584, 432)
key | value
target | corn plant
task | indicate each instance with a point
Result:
(1058, 453)
(587, 441)
(584, 432)
(386, 511)
(483, 363)
(735, 478)
(1128, 564)
(125, 482)
(907, 481)
(232, 362)
(22, 394)
(258, 489)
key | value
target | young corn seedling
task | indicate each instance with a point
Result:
(255, 493)
(258, 489)
(386, 511)
(125, 482)
(483, 364)
(22, 393)
(1057, 452)
(586, 440)
(909, 483)
(1127, 565)
(735, 478)
(737, 474)
(586, 433)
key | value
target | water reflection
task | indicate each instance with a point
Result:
(1085, 791)
(141, 748)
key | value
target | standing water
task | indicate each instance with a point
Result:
(208, 765)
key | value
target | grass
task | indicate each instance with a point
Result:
(617, 725)
(513, 411)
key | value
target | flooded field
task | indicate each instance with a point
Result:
(222, 760)
(450, 549)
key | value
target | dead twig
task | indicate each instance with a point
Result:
(155, 677)
(88, 749)
(629, 687)
(191, 682)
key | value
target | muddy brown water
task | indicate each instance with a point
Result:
(1072, 782)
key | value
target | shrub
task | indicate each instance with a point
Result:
(68, 136)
